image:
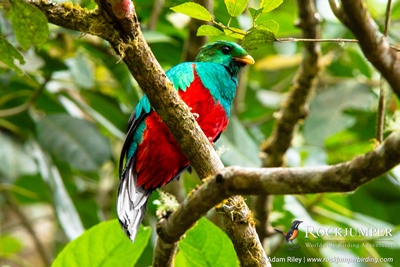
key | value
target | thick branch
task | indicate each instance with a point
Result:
(164, 253)
(76, 18)
(374, 44)
(230, 181)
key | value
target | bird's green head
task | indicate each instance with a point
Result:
(229, 54)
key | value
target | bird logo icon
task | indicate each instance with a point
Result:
(291, 234)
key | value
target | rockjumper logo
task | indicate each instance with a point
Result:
(291, 234)
(346, 232)
(335, 233)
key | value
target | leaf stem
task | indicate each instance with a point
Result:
(222, 26)
(229, 22)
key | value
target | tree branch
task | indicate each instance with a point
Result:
(374, 44)
(343, 177)
(76, 18)
(164, 253)
(294, 108)
(121, 28)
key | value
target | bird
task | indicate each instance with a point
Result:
(292, 233)
(151, 155)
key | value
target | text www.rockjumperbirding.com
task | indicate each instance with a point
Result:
(336, 260)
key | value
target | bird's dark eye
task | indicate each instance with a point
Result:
(226, 50)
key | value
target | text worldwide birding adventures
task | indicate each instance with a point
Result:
(150, 157)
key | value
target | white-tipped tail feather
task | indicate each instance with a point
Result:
(131, 203)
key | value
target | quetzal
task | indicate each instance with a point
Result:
(152, 156)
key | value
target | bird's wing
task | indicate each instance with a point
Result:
(289, 234)
(131, 201)
(133, 124)
(181, 75)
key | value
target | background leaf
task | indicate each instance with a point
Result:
(206, 245)
(9, 53)
(103, 245)
(269, 5)
(207, 30)
(331, 116)
(29, 24)
(256, 38)
(73, 140)
(193, 10)
(268, 25)
(236, 7)
(238, 147)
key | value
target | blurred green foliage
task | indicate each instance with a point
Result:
(65, 103)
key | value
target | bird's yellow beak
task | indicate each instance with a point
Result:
(248, 60)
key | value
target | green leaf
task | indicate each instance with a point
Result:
(255, 12)
(257, 37)
(193, 10)
(207, 30)
(72, 140)
(236, 7)
(103, 245)
(29, 24)
(9, 53)
(67, 215)
(81, 70)
(356, 58)
(269, 5)
(206, 245)
(241, 149)
(328, 117)
(269, 25)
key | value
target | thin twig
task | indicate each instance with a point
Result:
(387, 18)
(380, 122)
(26, 223)
(316, 40)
